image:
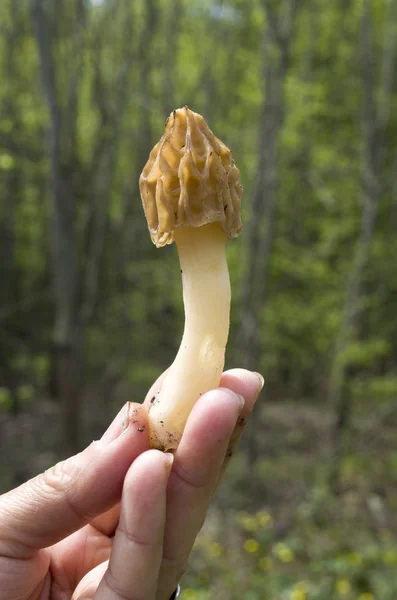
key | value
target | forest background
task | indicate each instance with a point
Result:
(304, 92)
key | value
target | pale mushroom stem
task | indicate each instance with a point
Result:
(199, 363)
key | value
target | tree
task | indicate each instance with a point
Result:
(375, 116)
(262, 219)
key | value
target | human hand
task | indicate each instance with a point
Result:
(115, 522)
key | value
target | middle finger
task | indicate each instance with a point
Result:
(137, 546)
(198, 461)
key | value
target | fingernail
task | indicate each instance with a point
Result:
(261, 380)
(168, 465)
(242, 402)
(117, 425)
(127, 416)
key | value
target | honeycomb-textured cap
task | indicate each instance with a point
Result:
(190, 179)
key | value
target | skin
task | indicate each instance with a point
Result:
(118, 521)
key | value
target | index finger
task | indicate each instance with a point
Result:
(56, 503)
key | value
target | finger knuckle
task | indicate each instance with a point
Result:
(186, 480)
(58, 478)
(116, 589)
(136, 540)
(58, 481)
(174, 568)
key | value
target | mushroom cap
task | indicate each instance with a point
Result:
(190, 180)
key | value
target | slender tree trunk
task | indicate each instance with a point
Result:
(144, 138)
(173, 20)
(145, 60)
(64, 246)
(8, 287)
(260, 229)
(103, 171)
(374, 119)
(11, 189)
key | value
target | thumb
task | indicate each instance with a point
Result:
(63, 499)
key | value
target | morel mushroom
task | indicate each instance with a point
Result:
(191, 191)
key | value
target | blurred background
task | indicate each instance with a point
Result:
(305, 94)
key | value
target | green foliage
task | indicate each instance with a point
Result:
(5, 399)
(365, 353)
(318, 198)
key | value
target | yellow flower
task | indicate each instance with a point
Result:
(189, 594)
(390, 558)
(299, 591)
(264, 518)
(265, 563)
(251, 546)
(355, 559)
(343, 587)
(366, 596)
(247, 521)
(215, 550)
(284, 553)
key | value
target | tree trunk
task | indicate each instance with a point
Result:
(260, 229)
(112, 110)
(62, 227)
(374, 119)
(11, 188)
(173, 20)
(145, 60)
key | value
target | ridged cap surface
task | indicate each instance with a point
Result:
(190, 180)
